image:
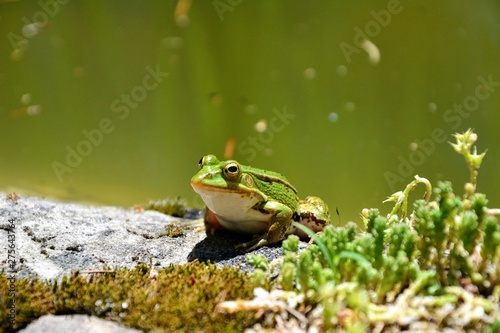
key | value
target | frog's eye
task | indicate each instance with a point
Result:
(232, 170)
(208, 160)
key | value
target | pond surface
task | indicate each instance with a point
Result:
(115, 102)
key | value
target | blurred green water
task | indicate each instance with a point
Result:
(357, 130)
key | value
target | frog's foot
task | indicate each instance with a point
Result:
(253, 244)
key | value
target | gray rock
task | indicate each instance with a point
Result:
(76, 324)
(53, 238)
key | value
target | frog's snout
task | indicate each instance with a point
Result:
(199, 178)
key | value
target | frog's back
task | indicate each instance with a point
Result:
(275, 186)
(269, 176)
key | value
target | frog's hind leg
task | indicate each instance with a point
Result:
(314, 214)
(209, 223)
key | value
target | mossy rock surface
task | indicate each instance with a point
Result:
(166, 280)
(175, 298)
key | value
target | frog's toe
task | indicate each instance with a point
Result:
(252, 245)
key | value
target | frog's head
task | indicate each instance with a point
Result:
(215, 176)
(227, 190)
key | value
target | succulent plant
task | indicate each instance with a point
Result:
(435, 262)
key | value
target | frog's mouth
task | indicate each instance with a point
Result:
(220, 198)
(200, 187)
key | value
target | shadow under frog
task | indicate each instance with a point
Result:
(220, 246)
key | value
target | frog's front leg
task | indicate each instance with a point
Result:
(281, 219)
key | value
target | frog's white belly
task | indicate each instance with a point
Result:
(235, 211)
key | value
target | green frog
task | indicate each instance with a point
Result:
(248, 200)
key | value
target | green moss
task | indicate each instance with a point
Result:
(173, 207)
(180, 298)
(172, 230)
